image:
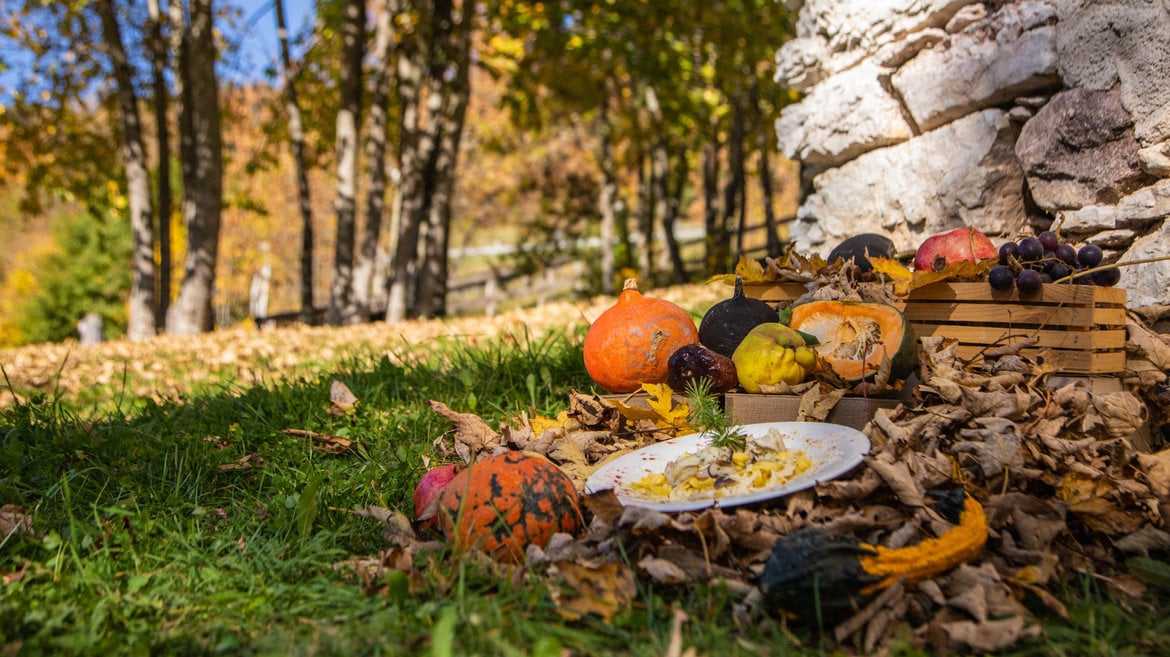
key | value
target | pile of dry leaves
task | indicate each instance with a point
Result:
(1065, 474)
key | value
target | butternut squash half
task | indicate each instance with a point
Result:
(855, 337)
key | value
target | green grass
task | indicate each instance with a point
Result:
(145, 546)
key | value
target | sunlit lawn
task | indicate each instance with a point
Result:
(199, 526)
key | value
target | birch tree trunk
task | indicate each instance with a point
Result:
(342, 309)
(365, 281)
(296, 136)
(409, 66)
(140, 325)
(201, 157)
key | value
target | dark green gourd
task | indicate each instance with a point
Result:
(726, 323)
(855, 248)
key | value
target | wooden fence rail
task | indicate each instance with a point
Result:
(487, 293)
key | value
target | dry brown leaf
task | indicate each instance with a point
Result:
(342, 401)
(473, 436)
(897, 476)
(602, 590)
(328, 443)
(1120, 413)
(662, 571)
(14, 522)
(817, 403)
(980, 637)
(246, 462)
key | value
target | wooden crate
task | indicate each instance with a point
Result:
(856, 412)
(1083, 325)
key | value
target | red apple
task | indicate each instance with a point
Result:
(428, 490)
(966, 243)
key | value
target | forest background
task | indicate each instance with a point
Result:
(347, 156)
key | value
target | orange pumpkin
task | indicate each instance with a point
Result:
(506, 502)
(632, 341)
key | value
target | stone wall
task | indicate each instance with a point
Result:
(923, 115)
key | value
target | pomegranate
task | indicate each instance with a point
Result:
(966, 243)
(428, 490)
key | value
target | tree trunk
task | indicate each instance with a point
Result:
(364, 274)
(341, 299)
(716, 240)
(296, 136)
(672, 201)
(607, 200)
(140, 324)
(644, 222)
(733, 188)
(201, 156)
(410, 62)
(456, 94)
(158, 67)
(770, 223)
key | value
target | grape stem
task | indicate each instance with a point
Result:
(1115, 265)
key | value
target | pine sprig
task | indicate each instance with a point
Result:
(706, 415)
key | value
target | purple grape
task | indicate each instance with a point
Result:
(1007, 251)
(1001, 277)
(1031, 249)
(1090, 256)
(1067, 253)
(1107, 277)
(1048, 240)
(1029, 282)
(1059, 270)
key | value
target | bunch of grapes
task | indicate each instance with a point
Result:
(1033, 261)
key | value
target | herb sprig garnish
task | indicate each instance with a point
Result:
(706, 415)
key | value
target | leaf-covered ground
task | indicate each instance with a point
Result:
(169, 367)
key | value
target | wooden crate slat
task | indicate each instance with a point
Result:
(1089, 340)
(1014, 314)
(1070, 361)
(1084, 324)
(1086, 295)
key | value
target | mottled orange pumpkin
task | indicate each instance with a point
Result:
(506, 502)
(631, 342)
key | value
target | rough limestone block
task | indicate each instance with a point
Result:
(1011, 53)
(964, 173)
(1137, 211)
(1080, 150)
(850, 30)
(1126, 43)
(842, 118)
(1148, 285)
(1155, 159)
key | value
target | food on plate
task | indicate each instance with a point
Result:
(719, 471)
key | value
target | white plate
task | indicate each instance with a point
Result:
(833, 450)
